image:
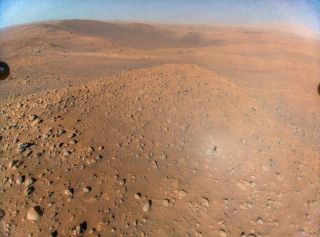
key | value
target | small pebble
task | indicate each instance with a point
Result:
(205, 201)
(87, 189)
(259, 221)
(29, 190)
(147, 206)
(61, 131)
(20, 179)
(222, 233)
(137, 195)
(30, 181)
(68, 192)
(66, 153)
(13, 164)
(36, 122)
(2, 214)
(166, 202)
(182, 193)
(33, 117)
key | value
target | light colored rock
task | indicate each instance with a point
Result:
(68, 192)
(30, 181)
(137, 195)
(205, 201)
(34, 213)
(147, 206)
(86, 189)
(222, 233)
(20, 179)
(166, 202)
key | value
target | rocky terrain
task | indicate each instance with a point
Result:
(118, 129)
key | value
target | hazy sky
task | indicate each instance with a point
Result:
(305, 13)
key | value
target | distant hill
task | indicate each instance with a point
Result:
(133, 35)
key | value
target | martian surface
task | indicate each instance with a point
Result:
(131, 129)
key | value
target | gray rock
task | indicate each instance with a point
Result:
(23, 146)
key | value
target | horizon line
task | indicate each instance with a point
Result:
(285, 28)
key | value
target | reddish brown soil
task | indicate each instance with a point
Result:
(140, 130)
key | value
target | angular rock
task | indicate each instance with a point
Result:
(34, 213)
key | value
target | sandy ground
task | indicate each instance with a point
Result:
(137, 130)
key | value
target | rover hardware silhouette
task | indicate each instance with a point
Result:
(4, 70)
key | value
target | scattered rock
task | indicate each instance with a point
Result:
(205, 201)
(34, 213)
(36, 122)
(33, 117)
(137, 195)
(54, 234)
(100, 148)
(30, 181)
(182, 193)
(71, 135)
(29, 190)
(90, 149)
(87, 189)
(211, 151)
(166, 202)
(259, 221)
(122, 182)
(23, 146)
(2, 214)
(147, 206)
(66, 152)
(68, 192)
(81, 228)
(222, 233)
(12, 164)
(155, 164)
(20, 179)
(61, 131)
